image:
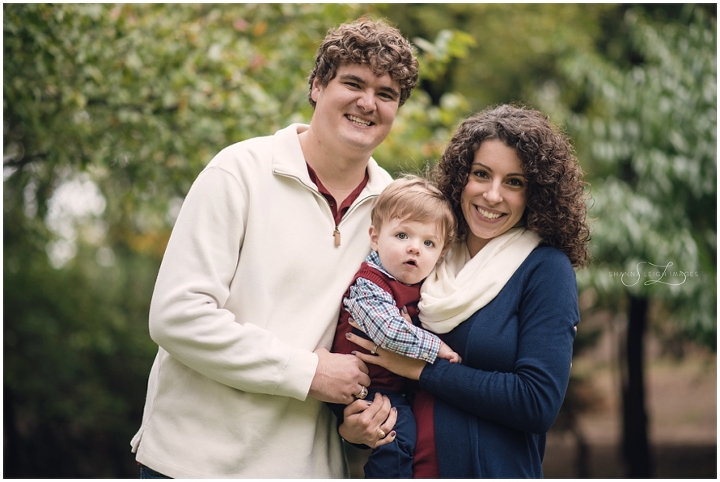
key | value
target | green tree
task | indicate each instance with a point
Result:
(424, 125)
(515, 47)
(649, 134)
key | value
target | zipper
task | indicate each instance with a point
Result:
(336, 233)
(336, 229)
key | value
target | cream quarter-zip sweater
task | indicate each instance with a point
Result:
(250, 285)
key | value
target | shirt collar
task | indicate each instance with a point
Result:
(338, 210)
(373, 259)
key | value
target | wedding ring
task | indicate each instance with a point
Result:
(374, 350)
(363, 393)
(381, 433)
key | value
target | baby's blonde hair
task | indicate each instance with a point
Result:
(417, 199)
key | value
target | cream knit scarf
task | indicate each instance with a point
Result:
(461, 285)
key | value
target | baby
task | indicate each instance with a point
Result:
(412, 226)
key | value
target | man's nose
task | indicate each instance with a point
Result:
(366, 101)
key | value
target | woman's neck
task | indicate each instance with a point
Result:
(474, 245)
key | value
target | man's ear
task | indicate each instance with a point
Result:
(374, 235)
(315, 91)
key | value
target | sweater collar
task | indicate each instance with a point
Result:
(288, 159)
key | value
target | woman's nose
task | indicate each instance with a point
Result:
(492, 195)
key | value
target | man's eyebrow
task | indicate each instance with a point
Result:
(390, 91)
(353, 77)
(360, 80)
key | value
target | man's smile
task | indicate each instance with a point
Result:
(357, 120)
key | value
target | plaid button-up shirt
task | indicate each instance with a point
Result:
(374, 309)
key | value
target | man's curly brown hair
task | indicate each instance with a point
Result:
(556, 200)
(371, 43)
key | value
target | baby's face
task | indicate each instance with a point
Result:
(408, 250)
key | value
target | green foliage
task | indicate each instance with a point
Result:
(436, 57)
(421, 130)
(76, 355)
(649, 143)
(420, 133)
(146, 94)
(515, 46)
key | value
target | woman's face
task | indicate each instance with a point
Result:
(494, 197)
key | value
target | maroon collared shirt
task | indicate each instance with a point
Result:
(338, 211)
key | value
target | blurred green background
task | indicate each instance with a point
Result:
(110, 112)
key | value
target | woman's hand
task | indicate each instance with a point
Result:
(398, 364)
(369, 422)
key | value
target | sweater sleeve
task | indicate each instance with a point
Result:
(374, 309)
(528, 398)
(187, 314)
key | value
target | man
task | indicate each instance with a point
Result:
(247, 296)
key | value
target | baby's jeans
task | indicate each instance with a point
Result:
(395, 460)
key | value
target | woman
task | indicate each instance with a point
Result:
(506, 297)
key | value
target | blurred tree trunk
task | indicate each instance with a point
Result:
(636, 452)
(648, 130)
(582, 457)
(11, 437)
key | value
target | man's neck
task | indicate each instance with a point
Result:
(339, 173)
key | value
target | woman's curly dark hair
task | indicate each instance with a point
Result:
(371, 43)
(556, 200)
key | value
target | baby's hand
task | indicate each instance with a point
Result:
(406, 315)
(448, 354)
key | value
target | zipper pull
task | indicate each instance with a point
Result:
(336, 235)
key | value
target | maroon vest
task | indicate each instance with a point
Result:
(404, 296)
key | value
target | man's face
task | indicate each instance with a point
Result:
(355, 111)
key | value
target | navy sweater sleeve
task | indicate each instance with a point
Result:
(516, 350)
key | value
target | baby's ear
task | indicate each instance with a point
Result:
(374, 235)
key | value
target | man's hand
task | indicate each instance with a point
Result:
(369, 422)
(338, 378)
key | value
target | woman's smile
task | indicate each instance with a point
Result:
(487, 214)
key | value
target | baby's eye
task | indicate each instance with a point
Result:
(429, 244)
(401, 236)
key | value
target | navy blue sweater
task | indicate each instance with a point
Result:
(492, 412)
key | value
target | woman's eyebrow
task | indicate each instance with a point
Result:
(487, 168)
